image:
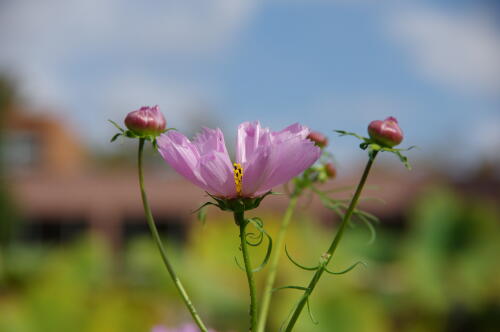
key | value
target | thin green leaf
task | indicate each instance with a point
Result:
(297, 264)
(346, 270)
(117, 126)
(339, 189)
(338, 211)
(257, 220)
(239, 265)
(282, 326)
(400, 149)
(403, 159)
(373, 232)
(371, 198)
(367, 215)
(313, 320)
(258, 223)
(290, 287)
(115, 137)
(346, 133)
(254, 236)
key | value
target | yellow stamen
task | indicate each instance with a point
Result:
(238, 176)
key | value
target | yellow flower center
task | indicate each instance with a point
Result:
(238, 176)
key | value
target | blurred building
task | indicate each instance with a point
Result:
(40, 144)
(60, 193)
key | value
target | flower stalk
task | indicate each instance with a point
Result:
(326, 257)
(273, 267)
(240, 220)
(161, 248)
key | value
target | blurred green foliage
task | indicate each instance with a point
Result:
(439, 273)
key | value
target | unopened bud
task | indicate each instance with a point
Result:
(318, 138)
(330, 170)
(386, 132)
(146, 121)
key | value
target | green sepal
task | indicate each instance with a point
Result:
(240, 204)
(132, 134)
(346, 270)
(201, 212)
(155, 144)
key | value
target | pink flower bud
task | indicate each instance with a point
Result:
(330, 170)
(318, 138)
(146, 121)
(386, 132)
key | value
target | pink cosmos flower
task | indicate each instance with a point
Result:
(264, 159)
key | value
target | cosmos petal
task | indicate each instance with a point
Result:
(218, 174)
(181, 155)
(273, 158)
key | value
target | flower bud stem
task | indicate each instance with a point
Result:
(273, 266)
(157, 239)
(242, 223)
(331, 250)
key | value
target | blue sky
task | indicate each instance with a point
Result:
(435, 65)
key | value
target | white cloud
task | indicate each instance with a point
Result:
(186, 106)
(177, 100)
(68, 26)
(43, 41)
(461, 51)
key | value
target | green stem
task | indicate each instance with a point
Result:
(331, 250)
(242, 223)
(273, 266)
(156, 237)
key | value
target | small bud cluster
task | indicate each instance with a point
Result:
(330, 170)
(318, 138)
(321, 172)
(326, 170)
